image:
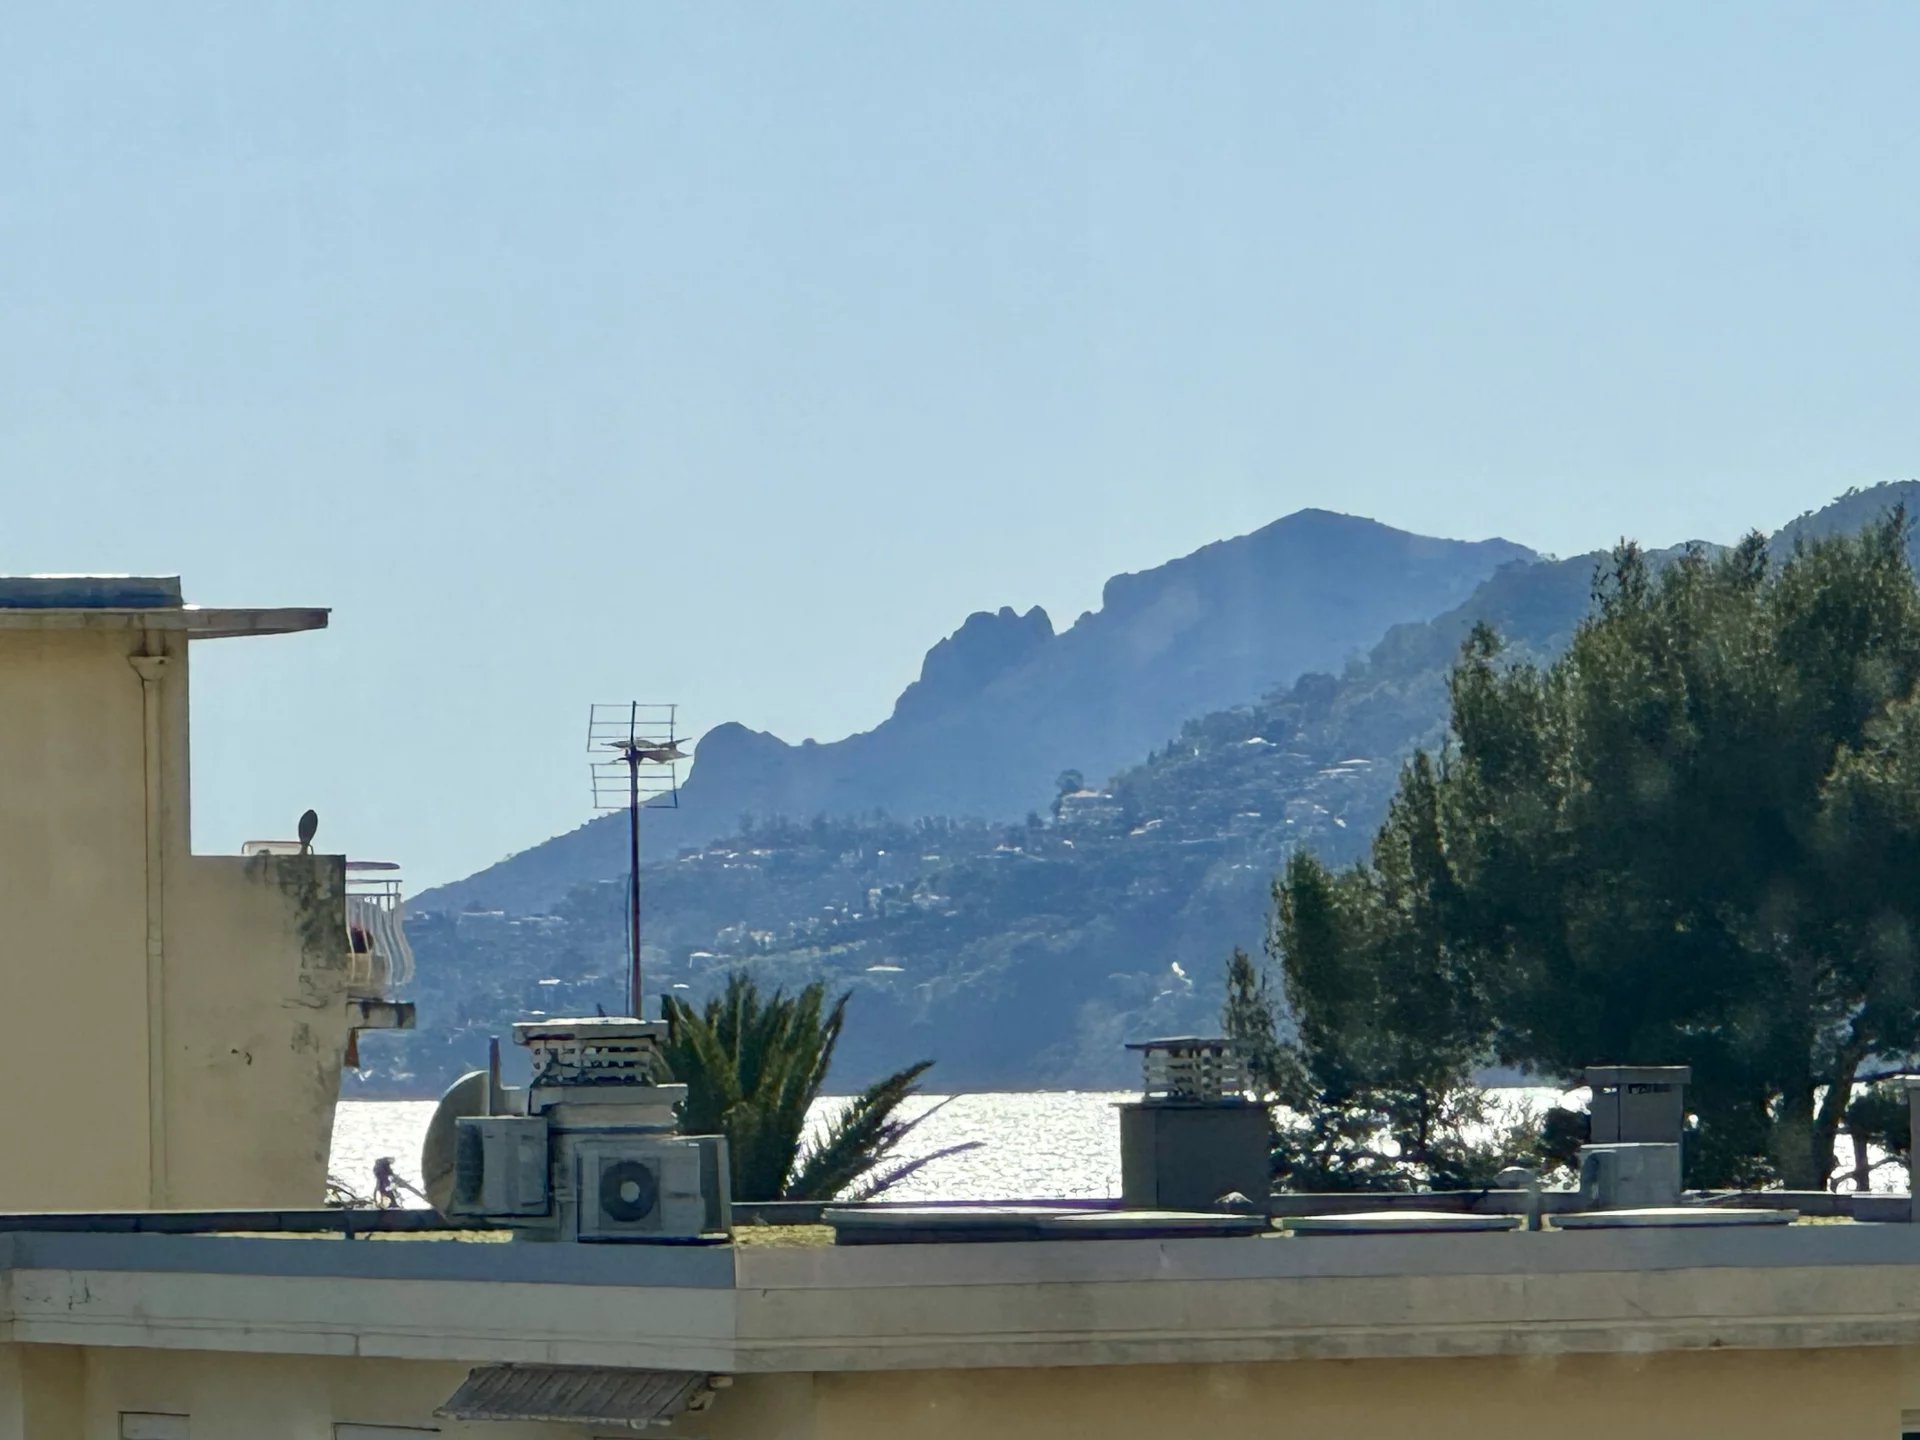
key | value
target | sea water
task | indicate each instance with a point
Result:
(1037, 1145)
(1025, 1145)
(1054, 1145)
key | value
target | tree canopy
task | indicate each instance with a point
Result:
(1692, 839)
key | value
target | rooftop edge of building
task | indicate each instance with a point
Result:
(137, 602)
(90, 592)
(759, 1309)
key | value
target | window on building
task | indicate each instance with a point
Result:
(151, 1425)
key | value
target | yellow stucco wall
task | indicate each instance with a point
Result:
(256, 1026)
(1700, 1395)
(72, 893)
(42, 1392)
(252, 955)
(1753, 1395)
(61, 1393)
(232, 1397)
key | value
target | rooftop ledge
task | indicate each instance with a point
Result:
(199, 622)
(770, 1309)
(136, 602)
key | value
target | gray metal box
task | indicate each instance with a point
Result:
(1638, 1104)
(1176, 1156)
(1629, 1177)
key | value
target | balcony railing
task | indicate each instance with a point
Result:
(379, 960)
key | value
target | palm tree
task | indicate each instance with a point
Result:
(753, 1068)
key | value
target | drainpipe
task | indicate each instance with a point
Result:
(1911, 1084)
(151, 668)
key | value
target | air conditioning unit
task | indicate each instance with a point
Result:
(500, 1167)
(651, 1187)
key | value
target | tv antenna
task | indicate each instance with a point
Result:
(634, 756)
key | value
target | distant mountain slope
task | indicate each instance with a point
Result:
(1004, 704)
(1019, 955)
(1850, 512)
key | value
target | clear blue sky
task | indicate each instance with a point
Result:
(734, 354)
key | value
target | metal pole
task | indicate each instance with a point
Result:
(633, 883)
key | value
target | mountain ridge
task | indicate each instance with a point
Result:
(1005, 702)
(1024, 954)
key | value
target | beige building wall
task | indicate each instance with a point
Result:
(48, 1393)
(42, 1392)
(256, 998)
(73, 989)
(1739, 1395)
(244, 1397)
(174, 1025)
(62, 1393)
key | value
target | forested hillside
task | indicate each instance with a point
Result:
(1017, 954)
(1004, 704)
(1022, 953)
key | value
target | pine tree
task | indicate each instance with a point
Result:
(1693, 839)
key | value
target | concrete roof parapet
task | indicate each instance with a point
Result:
(776, 1309)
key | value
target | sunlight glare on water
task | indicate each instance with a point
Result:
(1032, 1145)
(1050, 1145)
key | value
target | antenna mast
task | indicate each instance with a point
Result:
(634, 755)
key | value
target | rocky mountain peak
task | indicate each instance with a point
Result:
(986, 646)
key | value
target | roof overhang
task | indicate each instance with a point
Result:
(580, 1394)
(196, 621)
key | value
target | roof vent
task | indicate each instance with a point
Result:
(581, 1394)
(1188, 1069)
(593, 1051)
(1193, 1139)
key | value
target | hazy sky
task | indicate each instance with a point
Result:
(732, 355)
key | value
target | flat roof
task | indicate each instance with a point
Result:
(137, 602)
(199, 623)
(92, 592)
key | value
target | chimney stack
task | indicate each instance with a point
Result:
(1193, 1137)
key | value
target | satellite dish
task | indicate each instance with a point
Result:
(466, 1096)
(309, 824)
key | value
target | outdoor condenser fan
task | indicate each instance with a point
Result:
(628, 1191)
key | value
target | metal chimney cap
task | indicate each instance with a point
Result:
(595, 1029)
(1609, 1075)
